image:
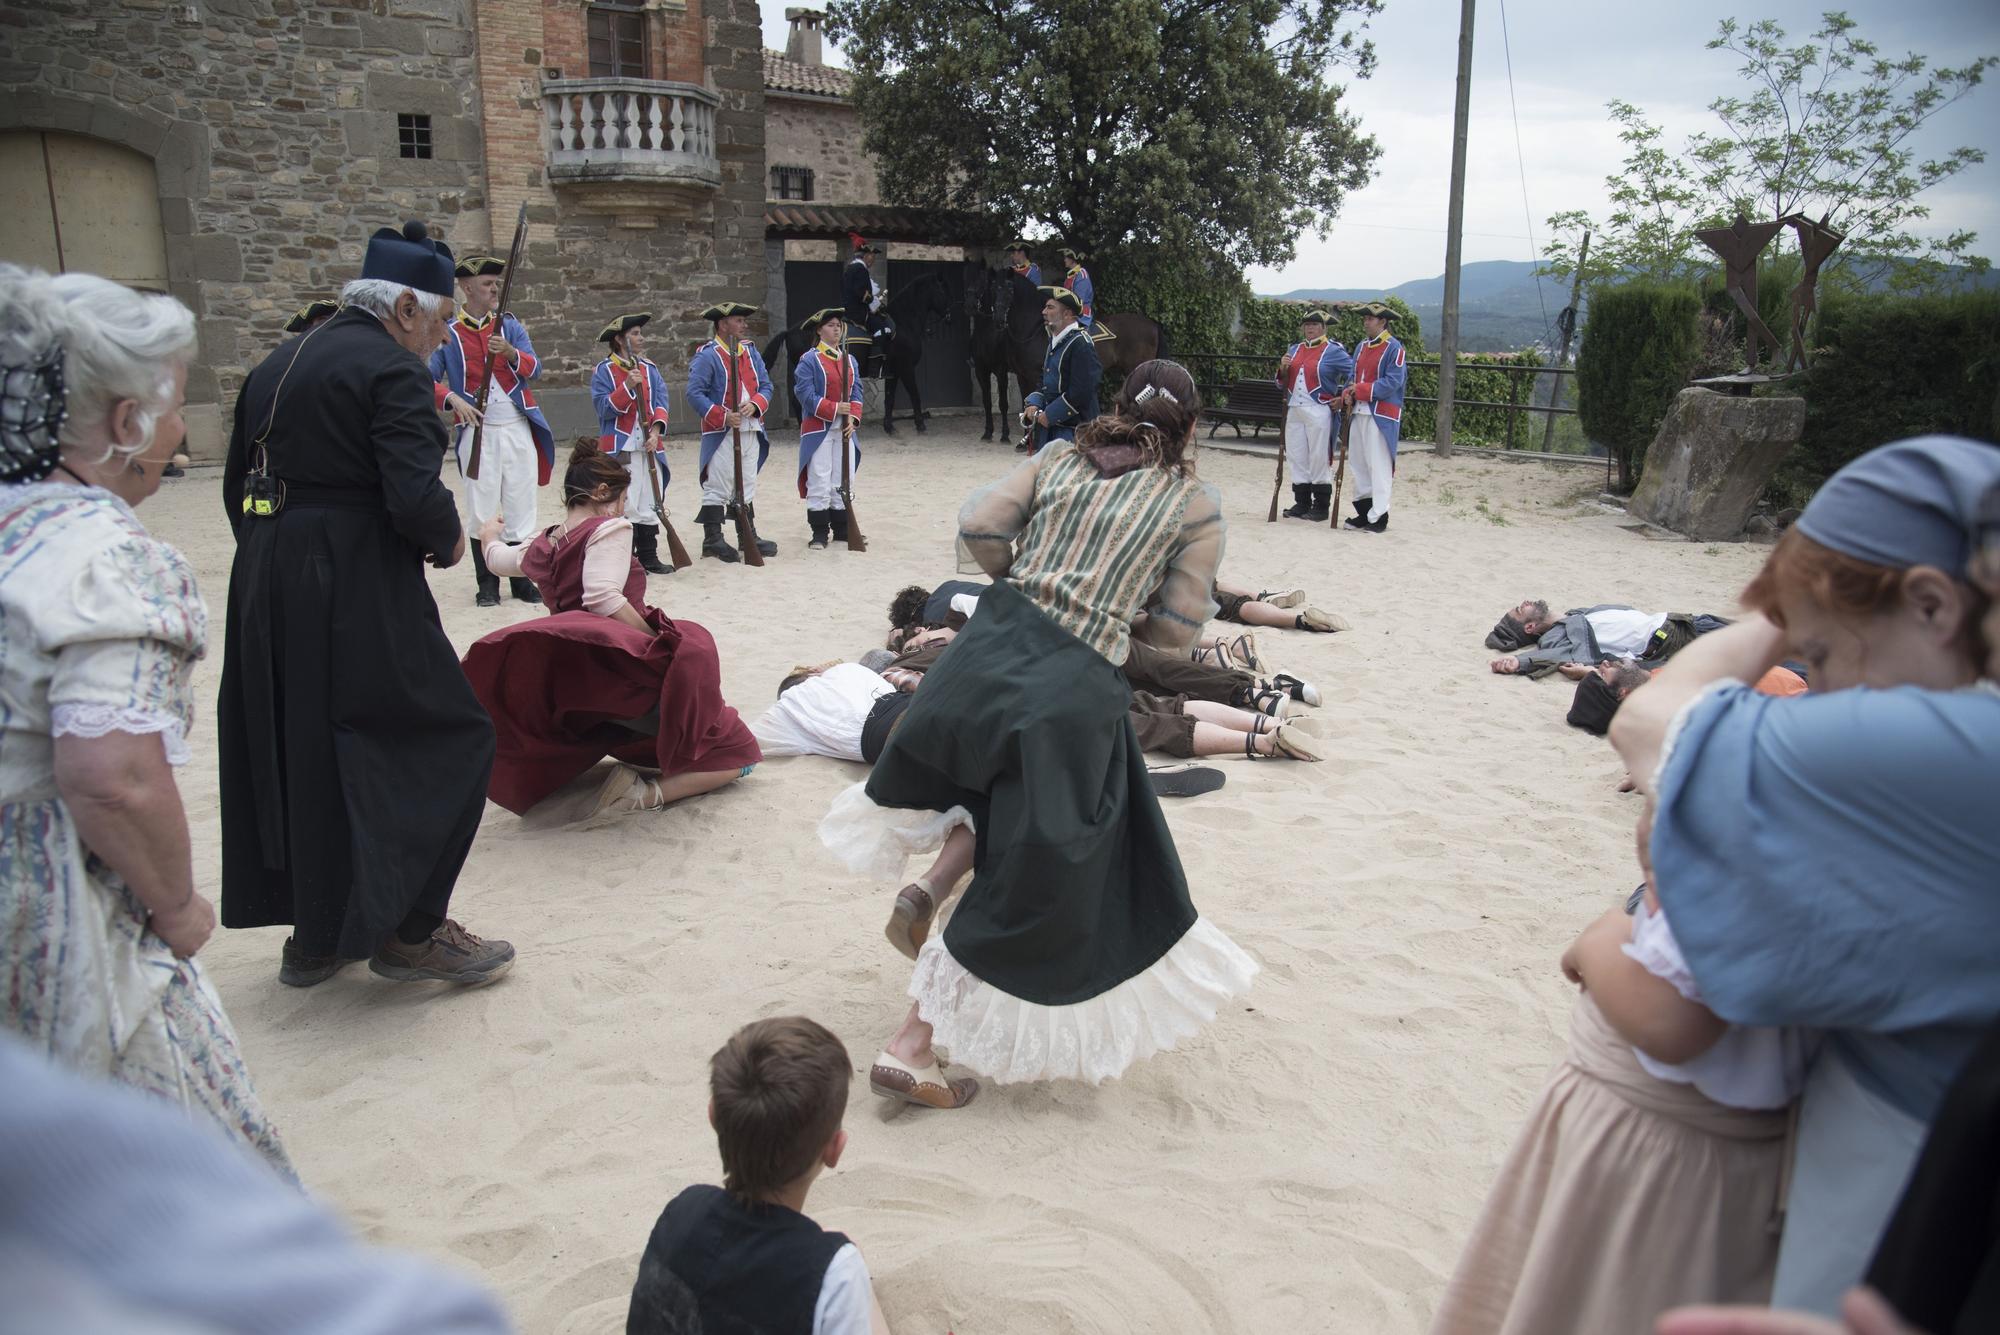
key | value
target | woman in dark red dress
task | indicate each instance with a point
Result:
(603, 674)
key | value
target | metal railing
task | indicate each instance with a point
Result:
(630, 129)
(1215, 372)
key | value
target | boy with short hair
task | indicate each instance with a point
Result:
(743, 1256)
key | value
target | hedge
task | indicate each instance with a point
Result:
(1639, 346)
(1888, 367)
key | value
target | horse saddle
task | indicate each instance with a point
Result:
(1101, 333)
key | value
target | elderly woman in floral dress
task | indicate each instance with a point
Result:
(100, 629)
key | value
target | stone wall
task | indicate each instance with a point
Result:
(825, 135)
(272, 127)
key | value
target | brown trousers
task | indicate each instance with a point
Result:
(1162, 673)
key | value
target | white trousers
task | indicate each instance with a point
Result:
(1307, 433)
(639, 496)
(823, 471)
(1374, 468)
(719, 487)
(506, 482)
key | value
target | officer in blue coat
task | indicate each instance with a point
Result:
(1070, 373)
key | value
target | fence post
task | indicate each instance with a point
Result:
(1513, 407)
(1562, 358)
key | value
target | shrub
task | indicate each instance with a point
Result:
(1639, 345)
(1889, 367)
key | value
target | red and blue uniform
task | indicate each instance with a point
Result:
(458, 366)
(1380, 378)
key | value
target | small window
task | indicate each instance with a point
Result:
(413, 135)
(617, 42)
(791, 183)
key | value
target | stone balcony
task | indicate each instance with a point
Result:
(637, 148)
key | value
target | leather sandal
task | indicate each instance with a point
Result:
(1288, 745)
(910, 920)
(1282, 597)
(928, 1087)
(1243, 651)
(1271, 701)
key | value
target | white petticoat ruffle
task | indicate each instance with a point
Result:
(1015, 1041)
(99, 720)
(878, 841)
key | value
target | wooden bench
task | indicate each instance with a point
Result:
(1256, 402)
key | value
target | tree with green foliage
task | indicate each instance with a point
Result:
(1208, 129)
(1639, 344)
(1827, 129)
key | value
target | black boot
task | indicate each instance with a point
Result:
(646, 546)
(764, 544)
(1301, 502)
(712, 542)
(1322, 502)
(1380, 523)
(1361, 509)
(489, 583)
(524, 590)
(838, 518)
(817, 519)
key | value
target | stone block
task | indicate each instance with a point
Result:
(1712, 459)
(345, 38)
(217, 258)
(448, 41)
(439, 11)
(404, 35)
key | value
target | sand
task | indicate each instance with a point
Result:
(1309, 1162)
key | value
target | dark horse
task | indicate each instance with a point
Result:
(918, 311)
(1007, 339)
(1139, 340)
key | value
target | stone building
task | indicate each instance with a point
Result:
(238, 154)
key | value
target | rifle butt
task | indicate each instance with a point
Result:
(677, 551)
(472, 463)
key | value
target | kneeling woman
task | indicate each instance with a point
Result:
(603, 674)
(1076, 950)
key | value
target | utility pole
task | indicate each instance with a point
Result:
(1562, 358)
(1454, 239)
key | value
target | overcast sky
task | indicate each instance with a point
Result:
(1569, 59)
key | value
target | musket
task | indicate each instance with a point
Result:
(1278, 482)
(676, 551)
(855, 542)
(1340, 468)
(506, 287)
(746, 536)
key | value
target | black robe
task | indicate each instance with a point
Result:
(355, 756)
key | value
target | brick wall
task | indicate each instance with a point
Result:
(272, 126)
(826, 136)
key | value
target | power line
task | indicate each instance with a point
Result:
(1521, 158)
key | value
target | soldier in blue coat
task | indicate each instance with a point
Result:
(1070, 373)
(726, 358)
(630, 396)
(1077, 279)
(867, 327)
(1020, 262)
(827, 384)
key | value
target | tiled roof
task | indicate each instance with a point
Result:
(789, 76)
(881, 222)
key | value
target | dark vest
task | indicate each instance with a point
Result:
(717, 1267)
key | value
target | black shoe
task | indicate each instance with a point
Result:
(1322, 502)
(298, 969)
(489, 583)
(1380, 524)
(524, 590)
(715, 545)
(764, 545)
(1361, 508)
(646, 547)
(816, 520)
(1301, 502)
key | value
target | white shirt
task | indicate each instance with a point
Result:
(823, 715)
(843, 1307)
(1750, 1066)
(1624, 633)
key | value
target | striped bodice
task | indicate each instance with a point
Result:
(1096, 548)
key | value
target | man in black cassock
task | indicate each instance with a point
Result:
(354, 754)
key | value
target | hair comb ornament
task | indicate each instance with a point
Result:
(34, 404)
(1150, 390)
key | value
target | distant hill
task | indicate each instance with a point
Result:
(1499, 308)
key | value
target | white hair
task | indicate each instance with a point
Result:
(117, 344)
(378, 296)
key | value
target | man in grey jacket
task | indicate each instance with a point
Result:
(1541, 642)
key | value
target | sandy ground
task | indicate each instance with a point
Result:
(1310, 1162)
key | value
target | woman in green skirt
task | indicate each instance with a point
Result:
(1076, 950)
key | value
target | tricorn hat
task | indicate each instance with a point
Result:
(1062, 296)
(821, 316)
(1019, 244)
(1378, 310)
(1069, 253)
(1314, 313)
(317, 309)
(479, 266)
(410, 258)
(624, 324)
(722, 310)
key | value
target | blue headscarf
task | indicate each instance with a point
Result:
(1907, 504)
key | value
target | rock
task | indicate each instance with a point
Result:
(1786, 517)
(1712, 459)
(1759, 526)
